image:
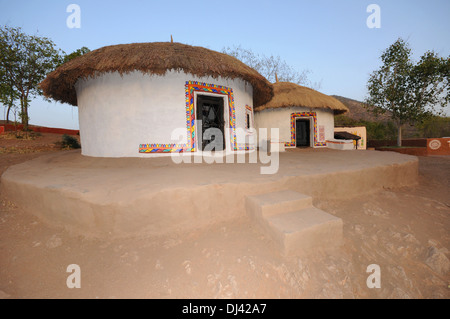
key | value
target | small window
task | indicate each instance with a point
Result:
(248, 117)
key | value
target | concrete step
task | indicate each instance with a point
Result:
(305, 231)
(265, 205)
(296, 226)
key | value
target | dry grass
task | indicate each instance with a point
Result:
(290, 94)
(151, 58)
(10, 143)
(20, 135)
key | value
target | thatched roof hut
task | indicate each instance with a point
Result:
(139, 99)
(288, 94)
(151, 58)
(304, 117)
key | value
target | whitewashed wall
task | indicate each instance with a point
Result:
(281, 118)
(356, 130)
(118, 113)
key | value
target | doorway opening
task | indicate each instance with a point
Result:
(210, 123)
(303, 133)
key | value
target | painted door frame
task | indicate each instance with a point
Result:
(226, 128)
(312, 115)
(311, 136)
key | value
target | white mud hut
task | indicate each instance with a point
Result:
(304, 117)
(135, 100)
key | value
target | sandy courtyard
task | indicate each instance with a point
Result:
(405, 231)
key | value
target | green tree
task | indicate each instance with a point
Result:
(410, 91)
(435, 126)
(8, 95)
(25, 61)
(76, 53)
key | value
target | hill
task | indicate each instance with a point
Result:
(358, 112)
(378, 127)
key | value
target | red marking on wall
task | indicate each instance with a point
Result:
(40, 129)
(438, 146)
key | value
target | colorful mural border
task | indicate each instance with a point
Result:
(294, 116)
(176, 148)
(249, 110)
(190, 88)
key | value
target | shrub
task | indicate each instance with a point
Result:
(435, 126)
(375, 130)
(69, 142)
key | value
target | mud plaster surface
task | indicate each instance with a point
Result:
(403, 229)
(129, 196)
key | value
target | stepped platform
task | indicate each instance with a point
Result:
(122, 197)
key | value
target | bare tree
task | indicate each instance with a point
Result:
(272, 67)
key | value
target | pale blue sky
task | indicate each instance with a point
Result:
(328, 37)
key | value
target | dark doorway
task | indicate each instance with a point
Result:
(210, 123)
(302, 132)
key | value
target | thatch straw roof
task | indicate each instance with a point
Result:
(152, 58)
(286, 94)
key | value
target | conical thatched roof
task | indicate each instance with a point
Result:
(286, 94)
(152, 58)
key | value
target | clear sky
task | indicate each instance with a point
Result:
(328, 37)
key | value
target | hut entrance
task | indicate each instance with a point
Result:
(302, 132)
(210, 123)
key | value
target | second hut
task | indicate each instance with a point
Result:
(304, 117)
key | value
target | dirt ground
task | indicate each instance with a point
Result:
(405, 231)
